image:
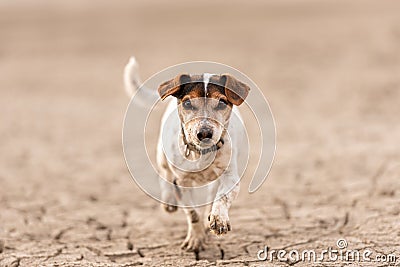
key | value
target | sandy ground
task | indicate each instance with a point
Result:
(330, 70)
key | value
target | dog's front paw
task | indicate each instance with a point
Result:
(194, 243)
(219, 224)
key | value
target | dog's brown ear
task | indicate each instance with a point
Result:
(235, 91)
(173, 86)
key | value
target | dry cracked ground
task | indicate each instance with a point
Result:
(331, 73)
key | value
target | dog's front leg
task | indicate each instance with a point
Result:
(227, 192)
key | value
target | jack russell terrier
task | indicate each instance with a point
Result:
(201, 126)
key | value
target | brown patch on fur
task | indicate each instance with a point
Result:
(235, 90)
(217, 92)
(192, 90)
(185, 87)
(196, 90)
(194, 217)
(173, 86)
(178, 193)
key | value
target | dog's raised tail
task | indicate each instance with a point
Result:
(147, 96)
(131, 77)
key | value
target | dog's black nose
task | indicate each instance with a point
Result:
(205, 133)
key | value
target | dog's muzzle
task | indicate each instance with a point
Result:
(205, 134)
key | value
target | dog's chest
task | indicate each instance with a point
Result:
(202, 171)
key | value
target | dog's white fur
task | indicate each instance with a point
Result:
(224, 165)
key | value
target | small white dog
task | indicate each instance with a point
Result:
(199, 128)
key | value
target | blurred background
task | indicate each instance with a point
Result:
(329, 69)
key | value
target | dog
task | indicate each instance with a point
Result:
(200, 131)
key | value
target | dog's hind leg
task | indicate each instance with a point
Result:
(196, 236)
(168, 196)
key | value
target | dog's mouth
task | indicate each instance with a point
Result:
(206, 142)
(203, 146)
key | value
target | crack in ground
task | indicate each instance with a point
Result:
(374, 179)
(284, 206)
(55, 254)
(124, 222)
(309, 241)
(121, 254)
(196, 255)
(222, 251)
(2, 245)
(140, 252)
(96, 251)
(61, 232)
(345, 222)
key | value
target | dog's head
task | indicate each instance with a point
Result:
(204, 104)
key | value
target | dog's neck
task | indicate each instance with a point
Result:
(192, 147)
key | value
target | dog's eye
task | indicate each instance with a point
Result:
(221, 105)
(187, 104)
